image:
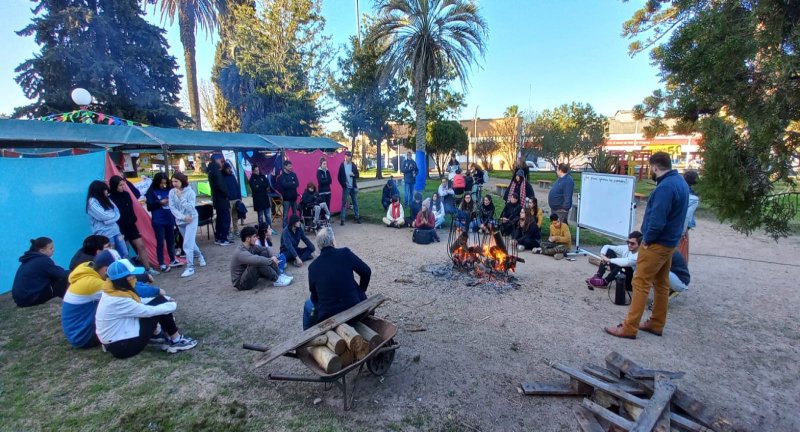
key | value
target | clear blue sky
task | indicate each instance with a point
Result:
(541, 53)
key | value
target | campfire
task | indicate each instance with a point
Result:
(485, 254)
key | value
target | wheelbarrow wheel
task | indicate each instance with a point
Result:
(380, 363)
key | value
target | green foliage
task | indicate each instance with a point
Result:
(107, 48)
(445, 137)
(271, 65)
(505, 133)
(731, 72)
(484, 149)
(567, 132)
(603, 162)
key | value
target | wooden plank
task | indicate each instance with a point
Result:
(696, 409)
(664, 390)
(664, 422)
(587, 421)
(633, 370)
(321, 328)
(634, 387)
(608, 415)
(540, 389)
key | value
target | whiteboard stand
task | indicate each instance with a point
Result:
(606, 205)
(578, 251)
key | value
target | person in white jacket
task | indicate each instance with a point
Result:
(448, 196)
(124, 324)
(617, 259)
(394, 214)
(182, 205)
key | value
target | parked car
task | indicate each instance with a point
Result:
(531, 166)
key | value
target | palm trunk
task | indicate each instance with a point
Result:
(186, 24)
(422, 128)
(379, 174)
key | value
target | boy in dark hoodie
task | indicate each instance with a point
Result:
(38, 278)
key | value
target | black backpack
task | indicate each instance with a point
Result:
(422, 236)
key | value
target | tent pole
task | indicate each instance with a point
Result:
(166, 160)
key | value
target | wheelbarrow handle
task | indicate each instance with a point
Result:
(255, 347)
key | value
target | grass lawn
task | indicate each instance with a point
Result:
(372, 211)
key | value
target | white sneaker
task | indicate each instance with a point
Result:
(282, 281)
(202, 261)
(520, 248)
(188, 272)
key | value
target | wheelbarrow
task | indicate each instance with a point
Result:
(377, 361)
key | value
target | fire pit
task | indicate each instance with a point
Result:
(486, 254)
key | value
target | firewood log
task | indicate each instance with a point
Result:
(317, 341)
(354, 340)
(336, 343)
(372, 338)
(363, 352)
(326, 359)
(347, 357)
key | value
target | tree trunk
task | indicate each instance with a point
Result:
(379, 174)
(187, 24)
(421, 90)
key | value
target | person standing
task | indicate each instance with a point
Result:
(324, 181)
(234, 195)
(38, 278)
(219, 196)
(560, 196)
(287, 184)
(348, 174)
(182, 206)
(127, 220)
(662, 228)
(103, 215)
(260, 188)
(163, 222)
(410, 170)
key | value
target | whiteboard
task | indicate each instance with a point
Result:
(606, 204)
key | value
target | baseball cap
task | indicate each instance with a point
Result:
(348, 153)
(122, 269)
(103, 259)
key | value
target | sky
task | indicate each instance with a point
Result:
(540, 54)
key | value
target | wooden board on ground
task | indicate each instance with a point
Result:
(659, 402)
(587, 420)
(321, 328)
(539, 389)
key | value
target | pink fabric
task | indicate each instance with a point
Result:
(142, 218)
(305, 166)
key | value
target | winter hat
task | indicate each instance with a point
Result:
(520, 173)
(103, 259)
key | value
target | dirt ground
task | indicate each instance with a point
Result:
(735, 334)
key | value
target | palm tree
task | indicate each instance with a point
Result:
(431, 38)
(192, 13)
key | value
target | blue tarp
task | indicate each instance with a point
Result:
(45, 197)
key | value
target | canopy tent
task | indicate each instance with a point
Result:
(56, 134)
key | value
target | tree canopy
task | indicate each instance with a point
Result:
(731, 71)
(566, 132)
(106, 47)
(445, 137)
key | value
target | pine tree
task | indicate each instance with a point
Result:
(106, 47)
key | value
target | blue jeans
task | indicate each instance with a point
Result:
(353, 193)
(120, 246)
(164, 232)
(286, 206)
(223, 227)
(264, 216)
(309, 314)
(409, 190)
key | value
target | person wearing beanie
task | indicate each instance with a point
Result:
(560, 196)
(559, 241)
(290, 243)
(519, 186)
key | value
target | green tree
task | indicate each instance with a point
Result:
(106, 47)
(445, 137)
(484, 148)
(505, 134)
(566, 132)
(271, 65)
(429, 37)
(731, 72)
(191, 14)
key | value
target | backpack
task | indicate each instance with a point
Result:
(241, 209)
(422, 236)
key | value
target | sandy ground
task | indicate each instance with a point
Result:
(735, 333)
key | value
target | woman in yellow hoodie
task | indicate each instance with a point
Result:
(559, 241)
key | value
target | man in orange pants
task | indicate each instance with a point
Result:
(662, 229)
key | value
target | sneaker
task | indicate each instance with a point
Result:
(520, 248)
(182, 344)
(673, 294)
(274, 232)
(165, 268)
(342, 223)
(224, 243)
(175, 263)
(153, 272)
(558, 256)
(537, 250)
(358, 221)
(202, 261)
(282, 281)
(188, 272)
(159, 339)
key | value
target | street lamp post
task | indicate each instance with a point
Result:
(474, 139)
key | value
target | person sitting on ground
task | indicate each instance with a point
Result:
(617, 259)
(92, 245)
(447, 194)
(265, 240)
(290, 243)
(251, 262)
(519, 186)
(331, 281)
(533, 211)
(312, 201)
(459, 182)
(394, 214)
(510, 215)
(559, 241)
(125, 325)
(80, 302)
(426, 221)
(415, 206)
(38, 278)
(389, 190)
(486, 222)
(436, 207)
(526, 232)
(466, 216)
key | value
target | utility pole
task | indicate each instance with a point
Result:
(474, 139)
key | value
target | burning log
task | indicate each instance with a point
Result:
(498, 241)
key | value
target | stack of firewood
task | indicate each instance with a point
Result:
(342, 346)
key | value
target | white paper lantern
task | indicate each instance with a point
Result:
(81, 97)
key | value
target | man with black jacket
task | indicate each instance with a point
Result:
(410, 170)
(348, 174)
(287, 186)
(219, 196)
